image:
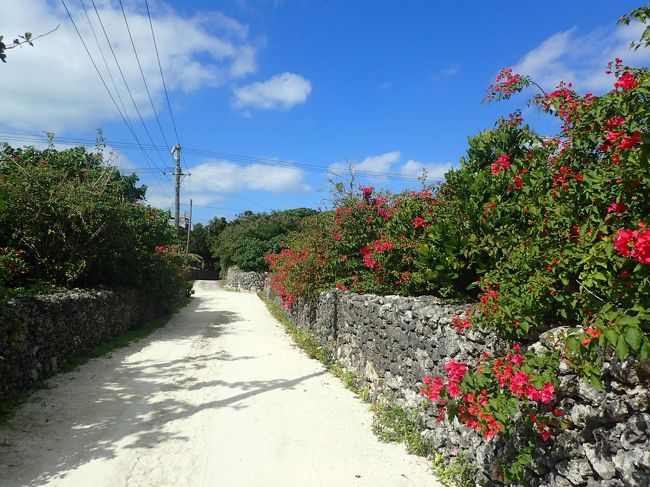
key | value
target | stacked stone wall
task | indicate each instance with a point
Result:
(42, 333)
(245, 281)
(392, 342)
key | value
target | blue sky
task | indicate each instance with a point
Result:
(390, 87)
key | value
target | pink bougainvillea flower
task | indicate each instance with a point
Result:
(629, 142)
(453, 389)
(501, 164)
(617, 207)
(433, 387)
(623, 240)
(641, 250)
(626, 82)
(455, 370)
(419, 222)
(546, 392)
(367, 190)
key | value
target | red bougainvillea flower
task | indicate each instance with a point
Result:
(501, 164)
(419, 222)
(366, 190)
(459, 324)
(626, 82)
(629, 142)
(545, 434)
(455, 370)
(641, 250)
(618, 208)
(615, 121)
(623, 240)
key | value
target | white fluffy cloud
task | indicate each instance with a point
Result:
(228, 177)
(581, 59)
(387, 167)
(214, 180)
(53, 85)
(415, 169)
(282, 91)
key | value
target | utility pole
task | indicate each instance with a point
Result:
(176, 150)
(189, 229)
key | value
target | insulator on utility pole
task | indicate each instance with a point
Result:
(176, 150)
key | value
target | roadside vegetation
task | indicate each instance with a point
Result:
(70, 220)
(541, 232)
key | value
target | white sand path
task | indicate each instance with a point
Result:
(218, 397)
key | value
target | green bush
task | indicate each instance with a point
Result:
(78, 222)
(548, 231)
(247, 240)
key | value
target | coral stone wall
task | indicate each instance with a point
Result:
(391, 342)
(245, 281)
(49, 330)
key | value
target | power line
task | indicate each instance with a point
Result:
(144, 80)
(110, 74)
(102, 79)
(226, 156)
(126, 84)
(162, 77)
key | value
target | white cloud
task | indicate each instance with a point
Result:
(371, 164)
(213, 180)
(414, 169)
(54, 86)
(582, 59)
(219, 176)
(386, 167)
(282, 91)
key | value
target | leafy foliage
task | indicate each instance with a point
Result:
(73, 221)
(551, 232)
(246, 241)
(641, 14)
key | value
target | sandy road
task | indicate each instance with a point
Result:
(218, 397)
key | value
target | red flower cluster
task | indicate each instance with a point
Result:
(491, 205)
(617, 207)
(501, 164)
(634, 243)
(507, 83)
(374, 248)
(460, 324)
(619, 141)
(162, 250)
(562, 178)
(419, 222)
(488, 301)
(626, 82)
(510, 376)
